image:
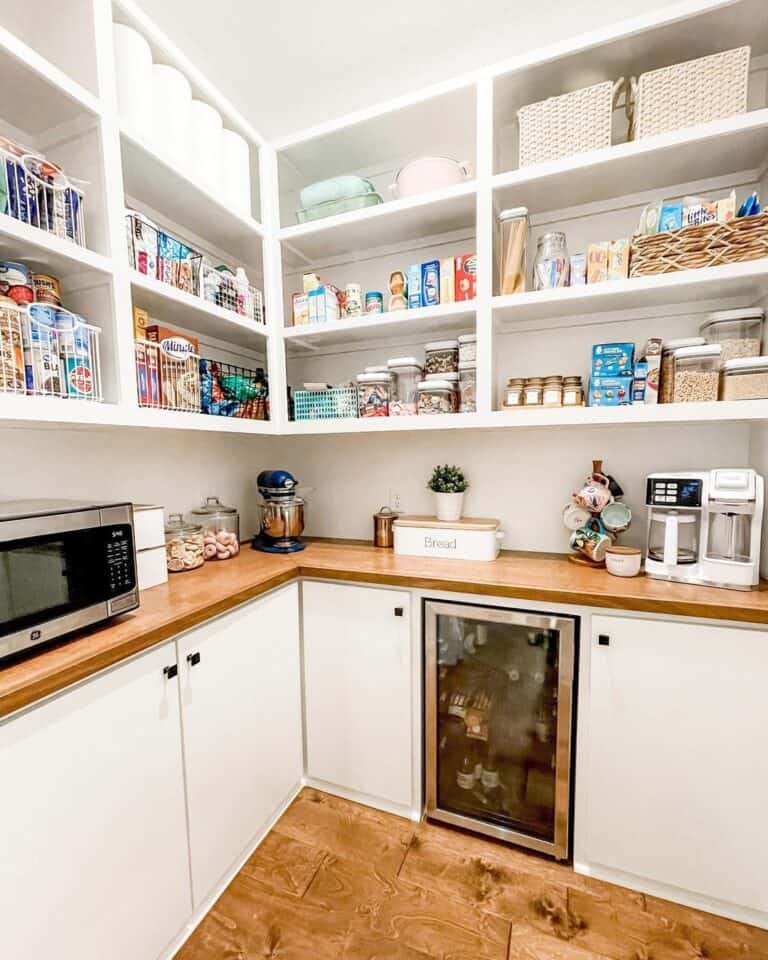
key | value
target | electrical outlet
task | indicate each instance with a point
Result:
(395, 501)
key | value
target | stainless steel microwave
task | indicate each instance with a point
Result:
(64, 565)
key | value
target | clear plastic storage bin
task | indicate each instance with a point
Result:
(437, 396)
(667, 389)
(406, 374)
(697, 374)
(744, 379)
(739, 332)
(373, 394)
(441, 356)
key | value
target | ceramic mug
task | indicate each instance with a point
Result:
(575, 516)
(595, 495)
(616, 517)
(592, 541)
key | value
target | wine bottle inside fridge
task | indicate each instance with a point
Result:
(499, 703)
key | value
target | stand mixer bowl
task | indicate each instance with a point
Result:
(281, 513)
(282, 519)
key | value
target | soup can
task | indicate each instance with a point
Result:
(47, 289)
(16, 282)
(374, 302)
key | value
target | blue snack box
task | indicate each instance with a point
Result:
(610, 391)
(613, 359)
(413, 281)
(430, 283)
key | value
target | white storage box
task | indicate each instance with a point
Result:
(148, 526)
(469, 539)
(151, 567)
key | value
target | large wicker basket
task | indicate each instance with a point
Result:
(687, 94)
(693, 247)
(566, 125)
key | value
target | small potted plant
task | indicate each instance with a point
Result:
(448, 484)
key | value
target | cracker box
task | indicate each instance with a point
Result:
(613, 359)
(147, 362)
(597, 262)
(618, 259)
(323, 305)
(179, 367)
(465, 286)
(300, 309)
(610, 391)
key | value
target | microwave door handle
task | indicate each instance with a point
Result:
(671, 530)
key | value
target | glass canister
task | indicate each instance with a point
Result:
(513, 395)
(552, 392)
(551, 268)
(513, 237)
(739, 332)
(467, 387)
(573, 392)
(373, 391)
(406, 374)
(221, 529)
(697, 373)
(667, 388)
(441, 356)
(437, 396)
(183, 544)
(533, 390)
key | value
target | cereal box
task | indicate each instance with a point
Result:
(618, 259)
(179, 368)
(465, 285)
(597, 262)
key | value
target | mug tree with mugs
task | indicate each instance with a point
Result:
(596, 515)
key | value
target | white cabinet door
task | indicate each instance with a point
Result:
(357, 688)
(92, 821)
(241, 715)
(678, 768)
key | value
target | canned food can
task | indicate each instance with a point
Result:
(78, 376)
(374, 302)
(16, 282)
(47, 289)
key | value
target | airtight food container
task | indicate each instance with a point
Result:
(406, 374)
(373, 394)
(667, 391)
(744, 379)
(739, 332)
(221, 529)
(697, 374)
(441, 356)
(437, 396)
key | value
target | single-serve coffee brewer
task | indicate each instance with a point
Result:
(705, 527)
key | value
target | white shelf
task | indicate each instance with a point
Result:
(395, 222)
(63, 258)
(177, 420)
(153, 179)
(438, 421)
(725, 146)
(441, 319)
(176, 307)
(563, 305)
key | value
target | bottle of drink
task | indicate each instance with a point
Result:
(465, 775)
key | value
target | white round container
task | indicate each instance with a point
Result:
(623, 561)
(133, 70)
(205, 129)
(171, 112)
(236, 172)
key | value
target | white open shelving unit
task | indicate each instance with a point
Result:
(66, 106)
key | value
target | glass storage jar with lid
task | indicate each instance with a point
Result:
(467, 386)
(667, 390)
(551, 268)
(513, 395)
(373, 392)
(552, 392)
(406, 374)
(532, 391)
(221, 529)
(739, 332)
(441, 356)
(437, 396)
(697, 373)
(183, 544)
(744, 379)
(573, 392)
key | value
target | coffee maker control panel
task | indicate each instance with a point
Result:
(674, 492)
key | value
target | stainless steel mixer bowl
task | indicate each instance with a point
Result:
(282, 520)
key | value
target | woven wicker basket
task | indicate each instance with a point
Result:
(693, 247)
(566, 125)
(687, 94)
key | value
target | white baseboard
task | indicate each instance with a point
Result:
(386, 806)
(199, 914)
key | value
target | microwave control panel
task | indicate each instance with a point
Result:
(674, 492)
(120, 565)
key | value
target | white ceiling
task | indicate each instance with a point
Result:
(288, 65)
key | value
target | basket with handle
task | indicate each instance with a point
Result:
(690, 93)
(569, 124)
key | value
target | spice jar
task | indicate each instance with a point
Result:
(373, 394)
(513, 395)
(467, 386)
(697, 373)
(532, 391)
(183, 544)
(739, 332)
(467, 348)
(552, 392)
(221, 529)
(406, 373)
(573, 392)
(744, 379)
(551, 268)
(667, 388)
(437, 396)
(441, 356)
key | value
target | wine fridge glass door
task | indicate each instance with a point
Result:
(498, 725)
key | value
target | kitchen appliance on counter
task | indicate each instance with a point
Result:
(64, 565)
(498, 722)
(466, 539)
(705, 527)
(281, 513)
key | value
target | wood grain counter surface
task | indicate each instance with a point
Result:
(190, 598)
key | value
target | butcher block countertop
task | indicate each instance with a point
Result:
(190, 598)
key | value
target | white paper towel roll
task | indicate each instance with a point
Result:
(171, 111)
(133, 67)
(206, 146)
(236, 178)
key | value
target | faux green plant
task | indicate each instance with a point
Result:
(447, 479)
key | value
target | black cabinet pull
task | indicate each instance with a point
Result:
(399, 611)
(193, 659)
(604, 640)
(170, 672)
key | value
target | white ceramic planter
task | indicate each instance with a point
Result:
(448, 506)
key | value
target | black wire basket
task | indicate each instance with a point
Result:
(229, 390)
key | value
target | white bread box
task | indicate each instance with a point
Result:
(468, 539)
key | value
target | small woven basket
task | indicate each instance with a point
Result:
(708, 246)
(688, 94)
(572, 123)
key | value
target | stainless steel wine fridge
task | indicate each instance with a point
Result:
(499, 713)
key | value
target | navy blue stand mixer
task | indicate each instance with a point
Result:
(281, 513)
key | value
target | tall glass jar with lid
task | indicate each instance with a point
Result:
(221, 529)
(551, 268)
(183, 544)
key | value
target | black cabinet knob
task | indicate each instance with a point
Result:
(170, 672)
(604, 640)
(399, 611)
(193, 659)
